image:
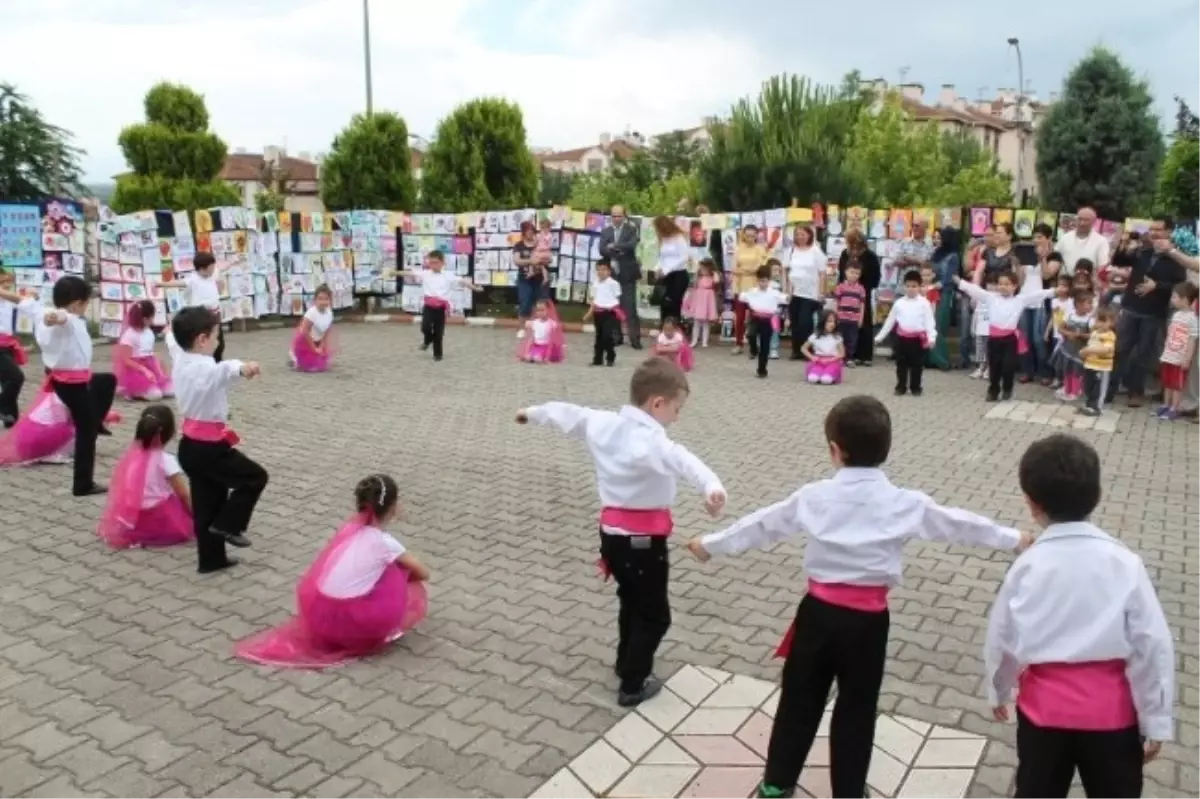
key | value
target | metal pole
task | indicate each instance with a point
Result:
(1016, 43)
(367, 52)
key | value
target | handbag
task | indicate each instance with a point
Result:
(658, 294)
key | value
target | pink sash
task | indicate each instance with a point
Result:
(922, 335)
(1003, 332)
(762, 317)
(8, 342)
(210, 432)
(867, 598)
(436, 302)
(637, 521)
(75, 376)
(685, 356)
(1078, 696)
(615, 311)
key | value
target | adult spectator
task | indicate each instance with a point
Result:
(806, 266)
(1035, 362)
(1145, 308)
(619, 244)
(531, 281)
(966, 311)
(914, 252)
(1084, 242)
(857, 252)
(674, 254)
(946, 259)
(748, 256)
(998, 256)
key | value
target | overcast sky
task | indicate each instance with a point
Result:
(291, 71)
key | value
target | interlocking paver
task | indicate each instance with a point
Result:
(509, 679)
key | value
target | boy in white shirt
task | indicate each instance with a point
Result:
(763, 303)
(225, 483)
(1078, 632)
(203, 291)
(436, 286)
(12, 354)
(637, 466)
(916, 331)
(605, 314)
(857, 523)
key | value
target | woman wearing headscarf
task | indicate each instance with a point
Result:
(947, 261)
(857, 251)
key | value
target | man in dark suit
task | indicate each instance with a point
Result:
(619, 243)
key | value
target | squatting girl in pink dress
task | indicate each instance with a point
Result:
(672, 345)
(43, 434)
(149, 504)
(700, 302)
(139, 374)
(543, 341)
(825, 352)
(315, 342)
(362, 592)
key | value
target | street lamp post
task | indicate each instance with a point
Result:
(367, 52)
(1015, 43)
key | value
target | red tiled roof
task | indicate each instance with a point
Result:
(618, 148)
(943, 113)
(249, 167)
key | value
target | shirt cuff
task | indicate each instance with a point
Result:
(715, 544)
(1158, 728)
(1010, 538)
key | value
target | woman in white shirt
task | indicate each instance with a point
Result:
(314, 343)
(362, 592)
(139, 373)
(674, 255)
(149, 504)
(806, 268)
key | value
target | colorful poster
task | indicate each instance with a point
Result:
(1023, 223)
(981, 220)
(20, 235)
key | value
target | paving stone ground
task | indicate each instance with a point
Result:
(116, 674)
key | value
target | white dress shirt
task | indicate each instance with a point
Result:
(857, 523)
(673, 254)
(637, 464)
(1005, 312)
(202, 386)
(911, 315)
(173, 348)
(764, 301)
(806, 270)
(141, 342)
(203, 290)
(319, 322)
(360, 564)
(64, 346)
(9, 311)
(1078, 595)
(825, 345)
(437, 285)
(606, 294)
(1093, 246)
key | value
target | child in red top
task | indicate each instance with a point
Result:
(930, 288)
(851, 300)
(1178, 349)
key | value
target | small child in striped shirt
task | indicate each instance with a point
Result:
(851, 301)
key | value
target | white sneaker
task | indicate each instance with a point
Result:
(60, 459)
(520, 334)
(774, 356)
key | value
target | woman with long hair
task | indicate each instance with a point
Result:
(857, 251)
(806, 266)
(674, 254)
(532, 280)
(946, 260)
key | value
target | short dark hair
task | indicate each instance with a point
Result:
(656, 377)
(750, 227)
(1065, 279)
(323, 289)
(1107, 314)
(1188, 291)
(763, 273)
(190, 323)
(69, 290)
(1054, 256)
(1081, 295)
(607, 264)
(1167, 222)
(1044, 229)
(862, 428)
(912, 276)
(436, 255)
(203, 260)
(1060, 474)
(1085, 265)
(1007, 274)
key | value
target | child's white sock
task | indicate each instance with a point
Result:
(696, 332)
(704, 335)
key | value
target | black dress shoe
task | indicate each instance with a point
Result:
(993, 397)
(649, 688)
(637, 345)
(93, 491)
(236, 539)
(228, 564)
(7, 421)
(103, 431)
(900, 391)
(1005, 396)
(916, 392)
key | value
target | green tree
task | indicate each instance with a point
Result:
(1100, 145)
(555, 187)
(674, 153)
(1179, 180)
(964, 150)
(370, 166)
(599, 191)
(979, 183)
(480, 159)
(894, 161)
(174, 158)
(37, 159)
(788, 143)
(1187, 124)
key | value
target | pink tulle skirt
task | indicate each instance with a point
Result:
(166, 524)
(538, 353)
(29, 441)
(132, 384)
(309, 359)
(826, 372)
(331, 632)
(700, 304)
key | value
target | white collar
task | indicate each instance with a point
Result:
(638, 415)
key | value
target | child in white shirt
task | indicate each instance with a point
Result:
(916, 331)
(982, 325)
(313, 344)
(763, 303)
(673, 345)
(436, 286)
(825, 351)
(637, 466)
(1004, 346)
(605, 315)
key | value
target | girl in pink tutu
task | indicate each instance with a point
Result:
(314, 342)
(543, 341)
(700, 302)
(362, 592)
(825, 352)
(149, 504)
(672, 345)
(43, 434)
(139, 374)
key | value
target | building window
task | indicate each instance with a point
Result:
(595, 165)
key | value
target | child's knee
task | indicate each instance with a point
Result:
(814, 379)
(154, 394)
(826, 380)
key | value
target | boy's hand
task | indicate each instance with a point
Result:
(1026, 541)
(1150, 750)
(251, 369)
(522, 417)
(714, 502)
(696, 547)
(1000, 713)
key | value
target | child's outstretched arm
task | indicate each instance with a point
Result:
(762, 528)
(1151, 666)
(679, 460)
(972, 290)
(957, 526)
(569, 418)
(888, 324)
(416, 569)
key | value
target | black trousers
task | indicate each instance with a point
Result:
(640, 567)
(674, 286)
(830, 643)
(1002, 364)
(849, 333)
(864, 350)
(1095, 387)
(800, 313)
(11, 381)
(910, 362)
(88, 403)
(225, 486)
(433, 328)
(219, 352)
(1109, 763)
(608, 328)
(761, 334)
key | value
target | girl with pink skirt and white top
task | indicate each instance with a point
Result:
(43, 434)
(149, 504)
(138, 371)
(672, 345)
(543, 341)
(314, 344)
(362, 592)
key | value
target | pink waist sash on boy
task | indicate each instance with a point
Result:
(865, 598)
(636, 522)
(615, 311)
(919, 335)
(9, 342)
(210, 432)
(70, 375)
(765, 317)
(436, 302)
(1004, 332)
(1077, 696)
